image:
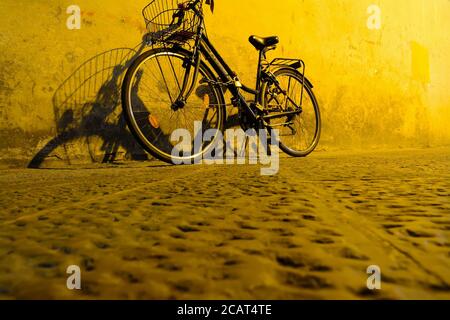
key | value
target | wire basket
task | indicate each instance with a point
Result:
(167, 23)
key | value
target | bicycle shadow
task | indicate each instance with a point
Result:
(88, 114)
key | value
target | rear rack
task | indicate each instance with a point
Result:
(286, 62)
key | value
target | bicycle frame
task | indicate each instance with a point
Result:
(204, 48)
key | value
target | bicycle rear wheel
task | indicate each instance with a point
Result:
(299, 135)
(151, 87)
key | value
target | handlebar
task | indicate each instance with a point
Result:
(191, 5)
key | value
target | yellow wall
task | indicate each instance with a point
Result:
(386, 87)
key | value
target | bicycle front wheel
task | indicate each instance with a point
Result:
(150, 90)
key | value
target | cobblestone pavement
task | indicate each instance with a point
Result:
(150, 231)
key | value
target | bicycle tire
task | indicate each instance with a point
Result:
(204, 71)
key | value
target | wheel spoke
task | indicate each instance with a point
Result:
(157, 82)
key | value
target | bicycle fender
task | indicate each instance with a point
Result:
(305, 79)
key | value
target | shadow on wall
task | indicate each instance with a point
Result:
(88, 113)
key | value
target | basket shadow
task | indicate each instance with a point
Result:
(88, 115)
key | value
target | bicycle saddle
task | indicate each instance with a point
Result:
(261, 43)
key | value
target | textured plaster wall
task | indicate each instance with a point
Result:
(386, 87)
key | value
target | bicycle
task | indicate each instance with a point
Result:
(182, 79)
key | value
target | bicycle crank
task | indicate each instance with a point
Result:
(178, 104)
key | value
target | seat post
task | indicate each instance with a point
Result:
(258, 76)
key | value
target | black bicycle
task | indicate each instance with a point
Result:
(181, 81)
